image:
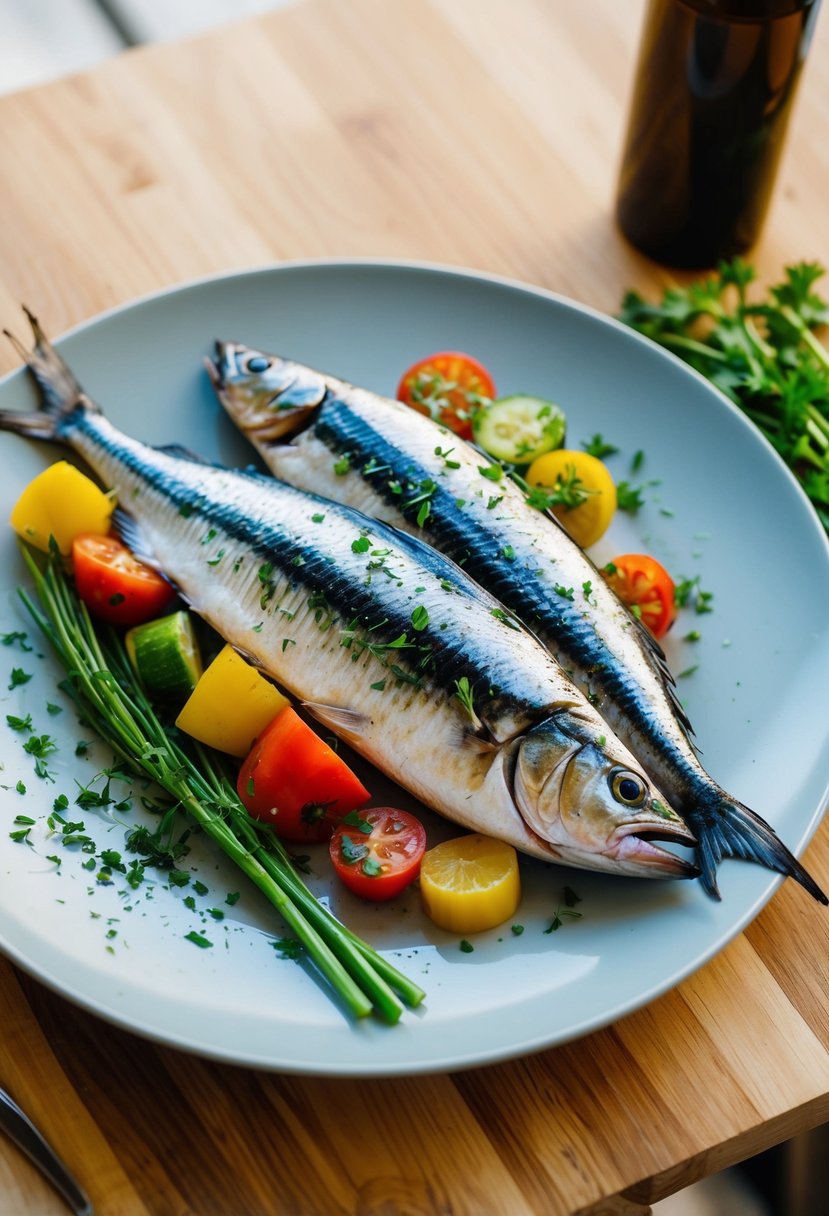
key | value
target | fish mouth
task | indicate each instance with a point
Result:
(632, 847)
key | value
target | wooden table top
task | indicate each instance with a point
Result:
(332, 129)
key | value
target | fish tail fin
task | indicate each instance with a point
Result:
(60, 392)
(726, 828)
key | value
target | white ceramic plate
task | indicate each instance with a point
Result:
(724, 508)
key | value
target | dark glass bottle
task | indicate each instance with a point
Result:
(714, 89)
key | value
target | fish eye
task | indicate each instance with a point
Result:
(258, 363)
(627, 788)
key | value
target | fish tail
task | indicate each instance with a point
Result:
(726, 828)
(61, 394)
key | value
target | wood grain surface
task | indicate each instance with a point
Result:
(483, 133)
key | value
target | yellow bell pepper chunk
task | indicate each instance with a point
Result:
(230, 705)
(61, 502)
(470, 883)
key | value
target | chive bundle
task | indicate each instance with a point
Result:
(101, 682)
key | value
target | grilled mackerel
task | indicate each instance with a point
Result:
(384, 640)
(395, 464)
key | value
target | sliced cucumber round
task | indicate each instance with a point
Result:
(165, 655)
(517, 429)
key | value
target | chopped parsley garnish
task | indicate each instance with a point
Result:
(198, 939)
(492, 472)
(463, 691)
(19, 724)
(598, 447)
(18, 677)
(16, 635)
(420, 618)
(629, 497)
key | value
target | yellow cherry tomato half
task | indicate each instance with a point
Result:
(584, 493)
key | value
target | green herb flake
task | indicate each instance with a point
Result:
(361, 545)
(318, 518)
(288, 947)
(342, 466)
(198, 939)
(420, 618)
(16, 636)
(517, 930)
(355, 820)
(18, 677)
(508, 553)
(492, 472)
(465, 947)
(598, 447)
(19, 724)
(629, 498)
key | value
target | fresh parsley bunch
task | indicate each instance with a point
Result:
(765, 355)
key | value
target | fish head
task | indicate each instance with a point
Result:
(584, 794)
(266, 396)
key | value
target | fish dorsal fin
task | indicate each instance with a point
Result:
(340, 718)
(660, 662)
(182, 453)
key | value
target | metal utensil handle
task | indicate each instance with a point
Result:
(19, 1128)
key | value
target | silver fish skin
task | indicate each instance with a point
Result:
(318, 432)
(384, 641)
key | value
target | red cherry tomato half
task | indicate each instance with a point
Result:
(114, 585)
(292, 779)
(644, 585)
(379, 854)
(448, 386)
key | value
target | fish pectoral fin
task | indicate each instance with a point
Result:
(478, 744)
(340, 718)
(128, 529)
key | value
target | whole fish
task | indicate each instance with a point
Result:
(383, 640)
(393, 463)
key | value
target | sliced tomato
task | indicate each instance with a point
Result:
(292, 779)
(449, 387)
(114, 585)
(644, 585)
(377, 854)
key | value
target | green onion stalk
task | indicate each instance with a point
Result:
(101, 682)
